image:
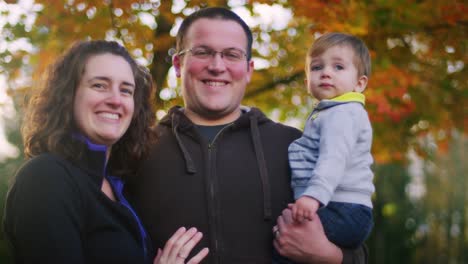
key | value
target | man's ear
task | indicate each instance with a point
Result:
(250, 69)
(361, 84)
(176, 62)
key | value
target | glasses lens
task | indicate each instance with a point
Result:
(233, 54)
(230, 55)
(202, 53)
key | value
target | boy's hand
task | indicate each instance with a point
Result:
(304, 208)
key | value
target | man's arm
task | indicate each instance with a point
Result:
(306, 242)
(355, 256)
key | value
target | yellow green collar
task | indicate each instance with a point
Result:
(350, 97)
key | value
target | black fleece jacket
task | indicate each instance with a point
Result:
(232, 189)
(56, 213)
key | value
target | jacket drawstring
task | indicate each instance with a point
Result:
(189, 165)
(262, 167)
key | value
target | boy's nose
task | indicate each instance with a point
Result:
(325, 73)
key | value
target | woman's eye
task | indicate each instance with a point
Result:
(127, 91)
(98, 85)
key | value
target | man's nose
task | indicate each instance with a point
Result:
(217, 62)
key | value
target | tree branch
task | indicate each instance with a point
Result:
(161, 60)
(114, 23)
(272, 85)
(430, 29)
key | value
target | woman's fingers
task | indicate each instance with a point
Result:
(179, 243)
(168, 247)
(179, 246)
(190, 244)
(199, 257)
(157, 259)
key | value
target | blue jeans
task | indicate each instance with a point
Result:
(346, 225)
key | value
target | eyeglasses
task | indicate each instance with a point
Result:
(231, 55)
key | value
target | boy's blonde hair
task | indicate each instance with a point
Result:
(361, 53)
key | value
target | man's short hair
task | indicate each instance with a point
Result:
(213, 13)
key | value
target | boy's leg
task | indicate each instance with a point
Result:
(346, 224)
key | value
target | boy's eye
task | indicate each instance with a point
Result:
(315, 67)
(339, 67)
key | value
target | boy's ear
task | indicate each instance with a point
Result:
(361, 84)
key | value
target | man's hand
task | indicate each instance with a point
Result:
(304, 242)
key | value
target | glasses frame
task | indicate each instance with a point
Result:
(213, 54)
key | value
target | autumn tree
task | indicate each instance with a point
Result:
(418, 50)
(418, 85)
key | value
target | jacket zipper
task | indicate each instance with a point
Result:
(211, 147)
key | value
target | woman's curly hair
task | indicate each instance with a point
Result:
(49, 123)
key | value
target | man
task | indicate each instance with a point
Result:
(220, 167)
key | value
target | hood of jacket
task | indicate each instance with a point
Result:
(251, 118)
(176, 118)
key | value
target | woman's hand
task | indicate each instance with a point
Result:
(178, 248)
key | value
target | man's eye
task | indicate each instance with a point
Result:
(232, 54)
(201, 52)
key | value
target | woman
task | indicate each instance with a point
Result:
(92, 119)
